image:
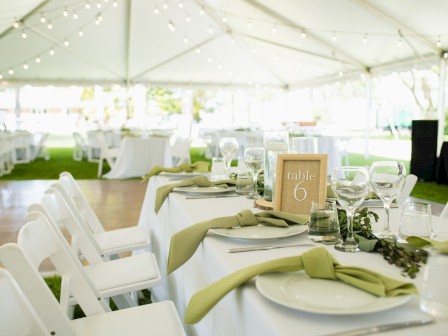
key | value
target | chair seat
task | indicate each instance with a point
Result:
(152, 319)
(122, 240)
(112, 276)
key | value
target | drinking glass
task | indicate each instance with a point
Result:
(350, 185)
(229, 148)
(254, 159)
(274, 142)
(324, 223)
(415, 221)
(387, 179)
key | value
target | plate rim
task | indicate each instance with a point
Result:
(204, 192)
(304, 226)
(395, 302)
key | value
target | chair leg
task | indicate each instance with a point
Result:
(100, 167)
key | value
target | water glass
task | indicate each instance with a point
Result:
(415, 221)
(244, 183)
(433, 293)
(305, 145)
(324, 223)
(218, 168)
(273, 141)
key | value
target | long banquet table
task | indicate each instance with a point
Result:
(244, 311)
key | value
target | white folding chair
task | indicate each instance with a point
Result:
(180, 151)
(38, 146)
(17, 315)
(80, 148)
(150, 319)
(119, 279)
(409, 184)
(111, 242)
(107, 153)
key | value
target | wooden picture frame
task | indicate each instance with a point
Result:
(300, 179)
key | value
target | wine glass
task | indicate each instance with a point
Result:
(229, 148)
(387, 179)
(351, 185)
(254, 160)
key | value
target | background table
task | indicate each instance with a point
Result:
(138, 155)
(244, 311)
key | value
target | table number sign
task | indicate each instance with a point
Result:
(300, 179)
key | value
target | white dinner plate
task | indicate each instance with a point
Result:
(194, 190)
(261, 232)
(182, 174)
(298, 291)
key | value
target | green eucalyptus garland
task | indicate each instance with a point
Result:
(403, 255)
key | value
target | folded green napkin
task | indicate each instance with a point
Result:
(419, 242)
(317, 263)
(199, 181)
(184, 243)
(197, 167)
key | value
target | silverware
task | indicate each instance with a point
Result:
(210, 196)
(383, 328)
(260, 248)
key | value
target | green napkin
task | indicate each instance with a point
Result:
(317, 263)
(184, 243)
(197, 167)
(419, 242)
(200, 181)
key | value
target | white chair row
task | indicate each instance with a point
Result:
(91, 283)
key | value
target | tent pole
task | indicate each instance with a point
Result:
(441, 103)
(368, 108)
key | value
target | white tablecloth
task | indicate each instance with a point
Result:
(244, 311)
(138, 155)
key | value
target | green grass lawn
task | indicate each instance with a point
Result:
(61, 160)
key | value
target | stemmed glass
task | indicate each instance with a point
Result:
(229, 148)
(254, 160)
(387, 179)
(351, 185)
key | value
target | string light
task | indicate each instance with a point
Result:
(66, 43)
(209, 59)
(75, 15)
(201, 11)
(87, 5)
(25, 66)
(224, 19)
(49, 26)
(171, 26)
(37, 59)
(303, 34)
(80, 33)
(16, 24)
(165, 5)
(51, 52)
(98, 5)
(115, 4)
(249, 23)
(210, 30)
(198, 50)
(186, 39)
(445, 55)
(24, 34)
(400, 42)
(334, 38)
(439, 43)
(187, 18)
(181, 4)
(11, 71)
(364, 39)
(1, 77)
(65, 12)
(42, 18)
(274, 28)
(156, 10)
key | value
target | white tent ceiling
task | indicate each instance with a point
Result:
(281, 43)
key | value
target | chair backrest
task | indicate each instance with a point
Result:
(18, 316)
(61, 217)
(70, 189)
(180, 151)
(409, 184)
(38, 241)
